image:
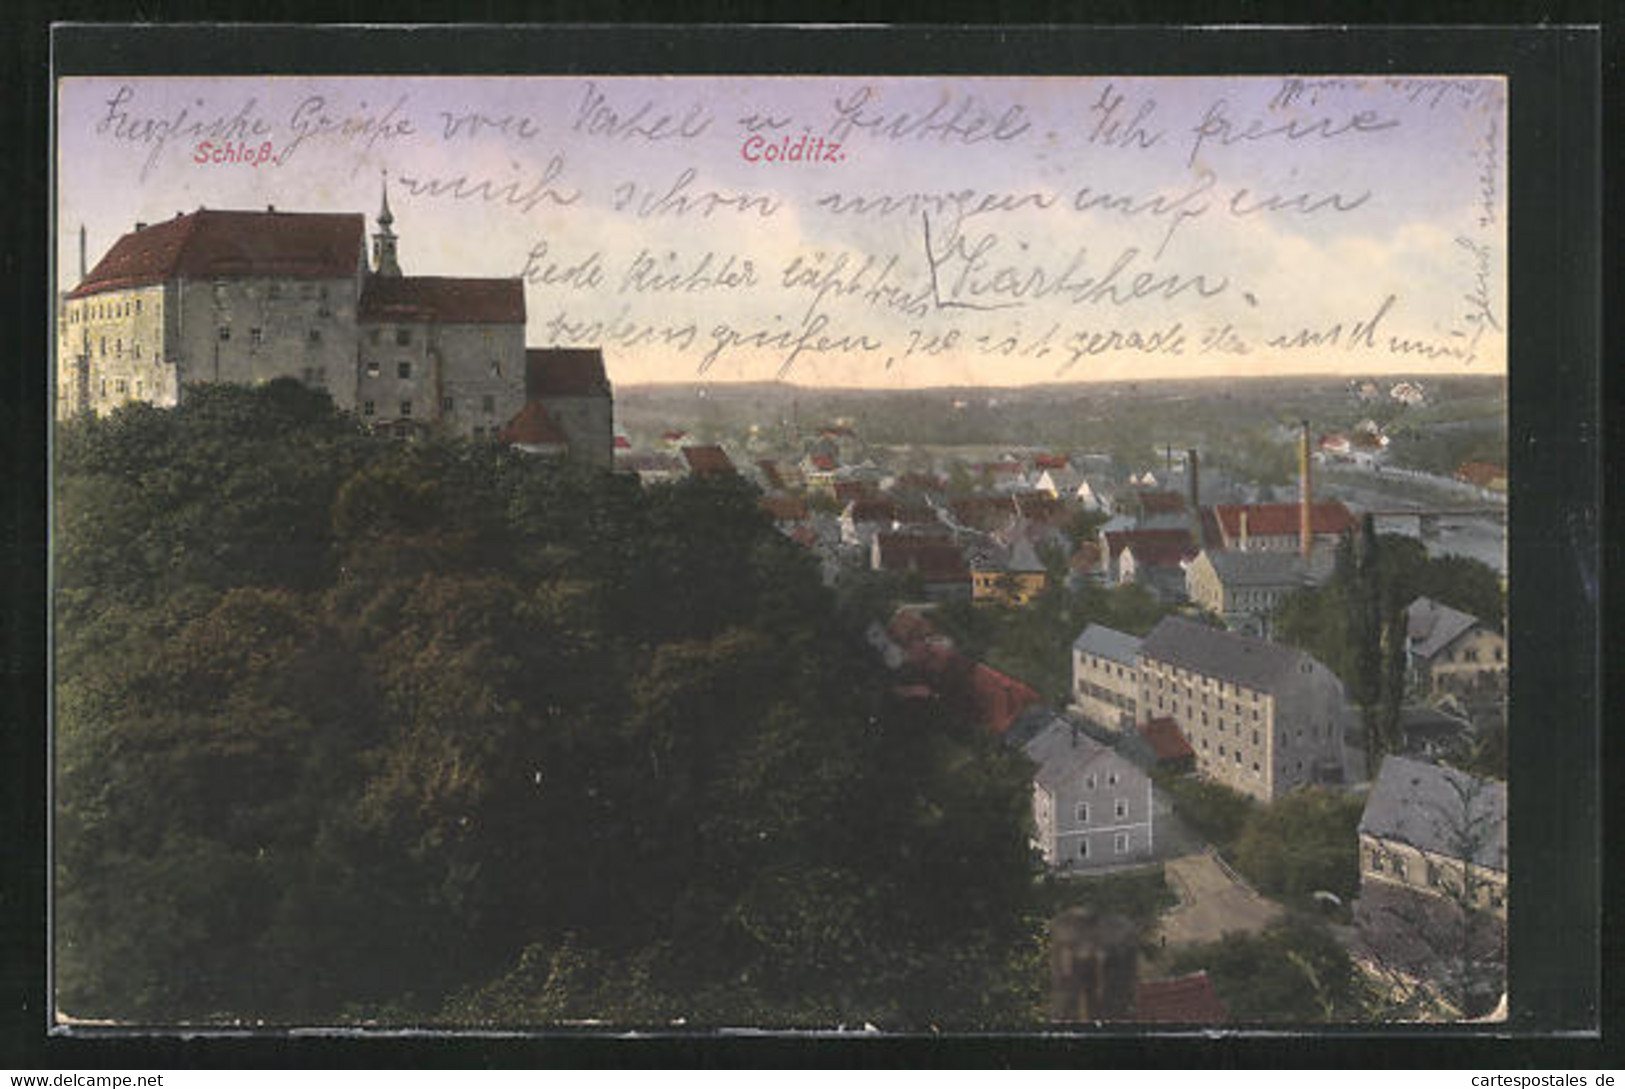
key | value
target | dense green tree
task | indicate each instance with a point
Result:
(1302, 843)
(355, 728)
(1294, 972)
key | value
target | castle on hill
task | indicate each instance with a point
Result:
(246, 297)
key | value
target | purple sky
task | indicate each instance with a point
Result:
(1220, 213)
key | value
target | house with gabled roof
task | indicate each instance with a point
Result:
(1092, 808)
(1452, 652)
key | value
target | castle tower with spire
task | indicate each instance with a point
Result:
(384, 261)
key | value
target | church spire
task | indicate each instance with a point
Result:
(384, 262)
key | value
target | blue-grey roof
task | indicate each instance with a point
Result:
(1437, 809)
(1240, 659)
(1062, 750)
(1104, 642)
(1269, 568)
(1431, 626)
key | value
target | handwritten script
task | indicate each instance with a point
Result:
(871, 231)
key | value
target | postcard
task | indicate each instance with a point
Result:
(895, 553)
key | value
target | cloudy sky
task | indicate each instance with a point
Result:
(930, 232)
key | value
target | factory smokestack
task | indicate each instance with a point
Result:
(1194, 497)
(1305, 496)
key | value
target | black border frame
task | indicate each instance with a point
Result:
(1555, 390)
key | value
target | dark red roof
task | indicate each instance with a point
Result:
(565, 372)
(936, 561)
(867, 509)
(1151, 541)
(981, 511)
(1280, 519)
(622, 442)
(850, 491)
(784, 508)
(823, 462)
(533, 427)
(1184, 1000)
(206, 244)
(1165, 739)
(1160, 502)
(1050, 461)
(922, 482)
(450, 300)
(708, 461)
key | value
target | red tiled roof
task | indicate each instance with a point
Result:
(565, 372)
(708, 461)
(622, 442)
(908, 627)
(532, 426)
(1281, 519)
(999, 698)
(1050, 461)
(1188, 1000)
(784, 508)
(1165, 739)
(935, 560)
(850, 491)
(922, 482)
(870, 509)
(981, 511)
(1153, 541)
(206, 244)
(1481, 473)
(451, 300)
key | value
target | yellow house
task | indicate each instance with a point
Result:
(1012, 576)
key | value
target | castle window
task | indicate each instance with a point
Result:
(121, 386)
(366, 408)
(1120, 843)
(496, 368)
(445, 404)
(256, 336)
(406, 408)
(225, 332)
(135, 350)
(1083, 847)
(489, 404)
(138, 306)
(374, 335)
(1120, 809)
(372, 368)
(118, 346)
(273, 291)
(403, 369)
(403, 336)
(1082, 813)
(314, 336)
(139, 387)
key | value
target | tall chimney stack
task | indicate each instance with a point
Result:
(82, 271)
(1305, 496)
(1194, 496)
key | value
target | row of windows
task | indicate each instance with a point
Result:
(1221, 688)
(403, 368)
(1380, 862)
(1119, 810)
(121, 385)
(273, 290)
(1471, 655)
(256, 335)
(118, 347)
(488, 403)
(1120, 844)
(1110, 668)
(103, 311)
(1105, 695)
